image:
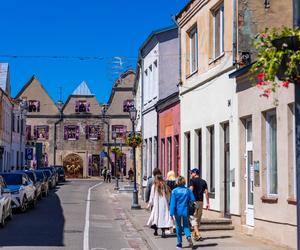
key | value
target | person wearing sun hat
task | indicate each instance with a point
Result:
(199, 187)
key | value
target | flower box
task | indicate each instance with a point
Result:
(289, 42)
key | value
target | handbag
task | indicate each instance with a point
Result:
(192, 208)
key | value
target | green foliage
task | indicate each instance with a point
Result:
(134, 140)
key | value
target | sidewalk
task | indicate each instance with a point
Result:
(212, 239)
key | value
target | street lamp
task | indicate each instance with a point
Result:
(114, 137)
(105, 120)
(23, 107)
(135, 201)
(59, 106)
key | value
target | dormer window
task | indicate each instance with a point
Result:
(71, 133)
(33, 106)
(82, 106)
(127, 105)
(93, 132)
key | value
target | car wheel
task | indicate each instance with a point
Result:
(34, 202)
(2, 222)
(24, 205)
(10, 213)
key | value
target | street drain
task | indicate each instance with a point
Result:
(119, 219)
(73, 231)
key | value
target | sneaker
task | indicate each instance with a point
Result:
(155, 233)
(190, 241)
(179, 245)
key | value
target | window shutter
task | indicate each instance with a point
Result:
(77, 106)
(87, 131)
(65, 133)
(47, 132)
(77, 132)
(35, 135)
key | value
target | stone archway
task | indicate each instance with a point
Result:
(73, 165)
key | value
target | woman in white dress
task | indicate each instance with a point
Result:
(159, 201)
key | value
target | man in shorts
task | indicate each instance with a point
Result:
(199, 187)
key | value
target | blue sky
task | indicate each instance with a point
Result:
(100, 28)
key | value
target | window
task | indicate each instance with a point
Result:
(82, 106)
(163, 152)
(193, 55)
(33, 106)
(199, 142)
(218, 33)
(146, 83)
(93, 132)
(127, 105)
(150, 153)
(271, 134)
(119, 131)
(176, 154)
(211, 142)
(18, 124)
(13, 124)
(71, 133)
(169, 152)
(41, 132)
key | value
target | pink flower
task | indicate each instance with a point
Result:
(285, 84)
(260, 77)
(266, 93)
(264, 35)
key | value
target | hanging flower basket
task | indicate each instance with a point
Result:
(278, 58)
(117, 151)
(134, 140)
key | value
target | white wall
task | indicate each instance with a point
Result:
(205, 106)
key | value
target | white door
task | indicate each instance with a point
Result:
(249, 176)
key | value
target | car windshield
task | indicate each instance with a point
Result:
(12, 179)
(48, 169)
(47, 172)
(30, 175)
(39, 176)
(60, 171)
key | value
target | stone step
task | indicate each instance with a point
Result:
(215, 227)
(219, 221)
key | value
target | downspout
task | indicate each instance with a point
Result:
(55, 132)
(179, 48)
(142, 109)
(234, 33)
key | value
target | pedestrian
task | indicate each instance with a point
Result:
(130, 174)
(171, 180)
(104, 172)
(179, 210)
(159, 201)
(108, 175)
(199, 187)
(156, 171)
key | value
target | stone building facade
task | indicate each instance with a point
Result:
(71, 136)
(119, 103)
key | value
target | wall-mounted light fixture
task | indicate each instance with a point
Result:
(267, 4)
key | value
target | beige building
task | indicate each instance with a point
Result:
(71, 136)
(119, 103)
(242, 144)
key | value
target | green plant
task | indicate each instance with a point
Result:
(134, 140)
(117, 151)
(271, 59)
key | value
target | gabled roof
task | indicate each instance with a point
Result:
(82, 90)
(4, 76)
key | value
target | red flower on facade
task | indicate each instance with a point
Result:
(285, 84)
(266, 93)
(260, 77)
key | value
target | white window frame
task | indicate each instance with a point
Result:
(193, 32)
(221, 9)
(294, 152)
(268, 114)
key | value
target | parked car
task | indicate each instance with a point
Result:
(43, 179)
(54, 176)
(49, 177)
(61, 173)
(22, 190)
(5, 203)
(38, 185)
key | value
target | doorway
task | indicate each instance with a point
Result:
(226, 170)
(249, 176)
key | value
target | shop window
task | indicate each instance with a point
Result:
(82, 106)
(28, 132)
(33, 106)
(71, 133)
(93, 132)
(41, 132)
(212, 171)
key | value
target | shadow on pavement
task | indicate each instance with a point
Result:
(42, 226)
(204, 245)
(217, 237)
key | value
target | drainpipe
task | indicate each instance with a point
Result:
(179, 48)
(234, 32)
(296, 24)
